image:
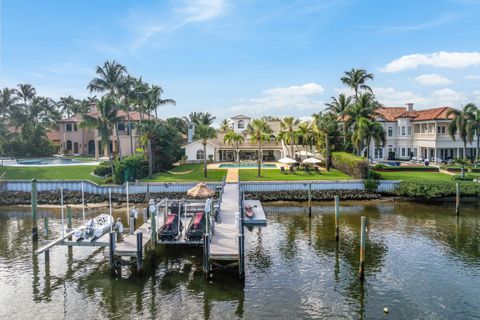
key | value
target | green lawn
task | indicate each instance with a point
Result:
(50, 173)
(277, 175)
(415, 175)
(196, 174)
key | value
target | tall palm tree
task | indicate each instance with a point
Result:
(340, 108)
(127, 92)
(288, 131)
(26, 92)
(305, 131)
(68, 105)
(8, 101)
(149, 131)
(234, 139)
(356, 79)
(110, 79)
(473, 125)
(156, 98)
(204, 133)
(325, 126)
(365, 132)
(364, 107)
(459, 126)
(259, 131)
(225, 126)
(104, 122)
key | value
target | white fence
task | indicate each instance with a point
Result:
(139, 188)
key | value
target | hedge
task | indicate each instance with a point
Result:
(435, 189)
(317, 195)
(350, 164)
(383, 168)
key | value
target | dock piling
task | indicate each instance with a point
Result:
(337, 216)
(140, 251)
(69, 222)
(83, 201)
(310, 199)
(112, 252)
(131, 225)
(46, 231)
(34, 210)
(206, 254)
(153, 224)
(61, 208)
(457, 199)
(363, 230)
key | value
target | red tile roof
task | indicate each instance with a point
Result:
(393, 113)
(134, 116)
(53, 135)
(390, 113)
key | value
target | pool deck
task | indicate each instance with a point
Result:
(248, 165)
(14, 163)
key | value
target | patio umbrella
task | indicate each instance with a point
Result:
(287, 160)
(304, 153)
(312, 160)
(201, 191)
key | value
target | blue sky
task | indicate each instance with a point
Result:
(248, 56)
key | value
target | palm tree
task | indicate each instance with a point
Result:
(459, 126)
(104, 122)
(8, 101)
(204, 133)
(68, 105)
(364, 107)
(234, 139)
(225, 125)
(156, 98)
(340, 107)
(259, 131)
(473, 125)
(356, 79)
(127, 91)
(26, 92)
(111, 78)
(366, 131)
(325, 126)
(288, 131)
(149, 131)
(200, 118)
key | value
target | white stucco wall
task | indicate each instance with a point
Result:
(192, 148)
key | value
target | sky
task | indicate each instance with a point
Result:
(255, 57)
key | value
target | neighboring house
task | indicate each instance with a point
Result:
(85, 141)
(420, 134)
(217, 150)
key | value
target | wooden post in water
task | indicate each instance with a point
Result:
(206, 254)
(140, 251)
(337, 216)
(61, 208)
(112, 252)
(83, 201)
(131, 225)
(363, 235)
(34, 210)
(69, 221)
(128, 201)
(153, 225)
(310, 199)
(46, 231)
(457, 199)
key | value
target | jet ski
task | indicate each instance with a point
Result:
(196, 228)
(248, 210)
(169, 231)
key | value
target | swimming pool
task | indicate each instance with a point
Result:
(247, 165)
(50, 161)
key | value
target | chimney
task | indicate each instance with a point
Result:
(93, 107)
(409, 106)
(190, 132)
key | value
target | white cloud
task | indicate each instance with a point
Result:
(476, 94)
(390, 97)
(448, 96)
(203, 10)
(442, 59)
(472, 77)
(307, 89)
(432, 79)
(438, 21)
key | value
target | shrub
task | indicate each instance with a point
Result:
(460, 178)
(435, 189)
(380, 166)
(103, 169)
(405, 168)
(350, 164)
(371, 185)
(135, 166)
(374, 175)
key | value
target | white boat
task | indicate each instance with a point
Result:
(95, 228)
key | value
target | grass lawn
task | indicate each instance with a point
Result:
(277, 175)
(188, 172)
(50, 173)
(416, 175)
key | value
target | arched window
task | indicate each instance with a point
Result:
(69, 145)
(200, 154)
(91, 147)
(241, 124)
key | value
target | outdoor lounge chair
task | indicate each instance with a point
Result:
(282, 170)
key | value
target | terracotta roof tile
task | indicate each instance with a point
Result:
(393, 113)
(134, 116)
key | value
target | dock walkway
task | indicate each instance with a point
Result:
(128, 246)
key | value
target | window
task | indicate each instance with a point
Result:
(439, 129)
(409, 130)
(409, 152)
(241, 124)
(379, 153)
(403, 152)
(403, 130)
(121, 126)
(75, 127)
(200, 154)
(68, 127)
(414, 152)
(69, 143)
(390, 131)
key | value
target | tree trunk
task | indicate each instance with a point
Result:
(150, 158)
(478, 146)
(156, 115)
(464, 150)
(129, 129)
(259, 161)
(205, 160)
(291, 146)
(119, 149)
(327, 152)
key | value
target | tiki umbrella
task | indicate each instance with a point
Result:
(312, 160)
(287, 160)
(201, 191)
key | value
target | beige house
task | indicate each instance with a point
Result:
(86, 141)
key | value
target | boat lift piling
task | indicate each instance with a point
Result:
(140, 251)
(337, 216)
(310, 199)
(45, 233)
(111, 252)
(83, 201)
(69, 222)
(457, 198)
(363, 235)
(34, 211)
(61, 208)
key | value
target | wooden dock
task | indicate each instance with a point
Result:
(128, 245)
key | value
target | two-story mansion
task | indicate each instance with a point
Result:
(418, 134)
(218, 150)
(86, 141)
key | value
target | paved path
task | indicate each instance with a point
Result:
(232, 175)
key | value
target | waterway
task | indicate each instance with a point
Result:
(422, 262)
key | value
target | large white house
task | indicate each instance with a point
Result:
(419, 134)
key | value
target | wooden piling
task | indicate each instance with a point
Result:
(457, 199)
(46, 231)
(310, 199)
(140, 251)
(337, 216)
(69, 221)
(206, 254)
(363, 235)
(83, 201)
(153, 225)
(131, 225)
(34, 210)
(113, 266)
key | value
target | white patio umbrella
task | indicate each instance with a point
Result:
(304, 153)
(287, 160)
(312, 160)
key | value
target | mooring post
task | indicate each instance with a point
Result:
(61, 208)
(310, 199)
(212, 213)
(153, 225)
(206, 254)
(34, 210)
(363, 235)
(241, 249)
(457, 198)
(131, 225)
(69, 222)
(45, 230)
(139, 251)
(128, 200)
(337, 215)
(83, 201)
(112, 252)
